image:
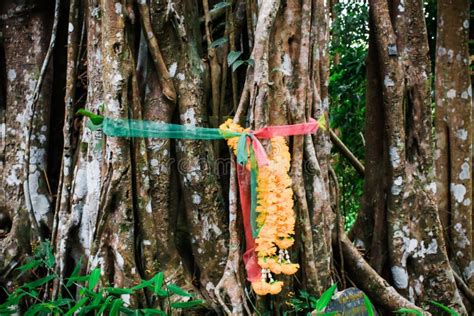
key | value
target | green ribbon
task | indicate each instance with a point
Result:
(244, 151)
(253, 192)
(139, 128)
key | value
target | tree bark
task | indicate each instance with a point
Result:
(26, 41)
(454, 130)
(416, 248)
(134, 207)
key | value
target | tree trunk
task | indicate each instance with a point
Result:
(25, 211)
(454, 132)
(134, 207)
(401, 158)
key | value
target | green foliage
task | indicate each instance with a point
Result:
(347, 86)
(219, 42)
(234, 61)
(95, 119)
(307, 303)
(445, 308)
(369, 306)
(232, 57)
(411, 311)
(221, 5)
(34, 297)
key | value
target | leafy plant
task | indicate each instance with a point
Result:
(221, 5)
(410, 311)
(234, 61)
(34, 297)
(307, 303)
(219, 42)
(369, 306)
(445, 308)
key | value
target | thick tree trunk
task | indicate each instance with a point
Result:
(134, 207)
(25, 209)
(418, 263)
(454, 130)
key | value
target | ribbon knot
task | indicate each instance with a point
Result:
(249, 146)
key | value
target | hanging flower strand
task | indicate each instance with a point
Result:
(266, 197)
(276, 219)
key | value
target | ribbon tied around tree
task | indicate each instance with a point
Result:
(266, 196)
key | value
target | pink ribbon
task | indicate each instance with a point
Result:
(250, 256)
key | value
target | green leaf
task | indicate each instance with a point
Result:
(8, 311)
(219, 42)
(62, 301)
(161, 293)
(95, 119)
(369, 306)
(143, 284)
(177, 290)
(35, 284)
(409, 311)
(232, 57)
(325, 298)
(250, 62)
(158, 279)
(94, 278)
(78, 305)
(187, 304)
(97, 297)
(118, 290)
(80, 278)
(114, 311)
(313, 301)
(445, 308)
(151, 311)
(74, 273)
(89, 308)
(15, 298)
(31, 265)
(105, 305)
(49, 255)
(37, 309)
(237, 64)
(221, 5)
(129, 311)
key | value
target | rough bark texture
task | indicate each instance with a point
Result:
(402, 159)
(25, 43)
(454, 130)
(134, 207)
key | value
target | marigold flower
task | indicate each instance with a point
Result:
(284, 243)
(265, 262)
(289, 268)
(261, 287)
(275, 215)
(275, 267)
(276, 287)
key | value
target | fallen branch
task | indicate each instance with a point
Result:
(370, 281)
(464, 288)
(346, 152)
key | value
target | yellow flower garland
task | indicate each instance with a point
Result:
(276, 218)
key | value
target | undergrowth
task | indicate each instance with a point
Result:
(35, 297)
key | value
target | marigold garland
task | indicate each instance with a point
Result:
(276, 218)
